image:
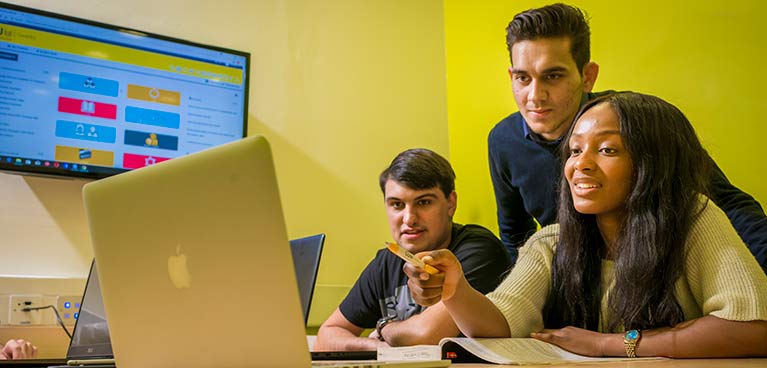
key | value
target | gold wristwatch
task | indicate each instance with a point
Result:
(630, 340)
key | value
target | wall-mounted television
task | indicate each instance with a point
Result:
(87, 99)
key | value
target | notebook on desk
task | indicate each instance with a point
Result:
(195, 265)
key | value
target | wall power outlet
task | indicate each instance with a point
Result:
(68, 307)
(16, 306)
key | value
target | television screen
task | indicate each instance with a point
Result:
(87, 99)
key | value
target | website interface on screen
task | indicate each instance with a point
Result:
(85, 100)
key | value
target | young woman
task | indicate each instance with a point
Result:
(641, 262)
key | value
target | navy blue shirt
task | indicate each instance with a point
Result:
(526, 170)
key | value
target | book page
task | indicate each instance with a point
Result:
(521, 351)
(415, 352)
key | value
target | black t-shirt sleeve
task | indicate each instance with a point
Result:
(360, 306)
(484, 259)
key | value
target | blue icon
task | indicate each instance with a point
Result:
(65, 165)
(67, 305)
(74, 166)
(77, 315)
(66, 315)
(77, 305)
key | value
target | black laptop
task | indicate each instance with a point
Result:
(306, 254)
(90, 345)
(306, 259)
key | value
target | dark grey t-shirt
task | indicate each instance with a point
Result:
(382, 288)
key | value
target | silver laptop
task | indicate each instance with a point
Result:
(195, 265)
(90, 344)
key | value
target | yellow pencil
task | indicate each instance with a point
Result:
(410, 258)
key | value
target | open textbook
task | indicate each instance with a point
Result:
(516, 351)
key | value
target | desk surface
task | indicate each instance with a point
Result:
(670, 363)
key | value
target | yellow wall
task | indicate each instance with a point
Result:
(706, 57)
(339, 87)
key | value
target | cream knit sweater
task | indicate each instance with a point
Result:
(721, 277)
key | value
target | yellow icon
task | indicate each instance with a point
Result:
(152, 140)
(153, 94)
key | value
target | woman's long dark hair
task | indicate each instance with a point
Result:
(670, 169)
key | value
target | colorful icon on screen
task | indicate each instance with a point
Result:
(152, 140)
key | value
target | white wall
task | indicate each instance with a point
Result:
(43, 230)
(339, 87)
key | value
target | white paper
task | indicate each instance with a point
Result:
(415, 352)
(522, 351)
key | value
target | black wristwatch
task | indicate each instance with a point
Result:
(382, 322)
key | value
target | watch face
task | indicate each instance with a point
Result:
(384, 321)
(631, 335)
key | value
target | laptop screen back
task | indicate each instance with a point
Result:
(194, 262)
(306, 260)
(90, 339)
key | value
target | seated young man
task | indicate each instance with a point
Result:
(420, 199)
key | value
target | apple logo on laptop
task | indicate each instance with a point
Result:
(178, 270)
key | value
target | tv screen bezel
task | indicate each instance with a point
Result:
(99, 172)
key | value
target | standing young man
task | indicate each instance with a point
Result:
(420, 199)
(552, 76)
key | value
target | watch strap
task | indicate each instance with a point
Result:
(630, 340)
(382, 322)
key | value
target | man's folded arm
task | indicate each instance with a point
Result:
(427, 327)
(338, 334)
